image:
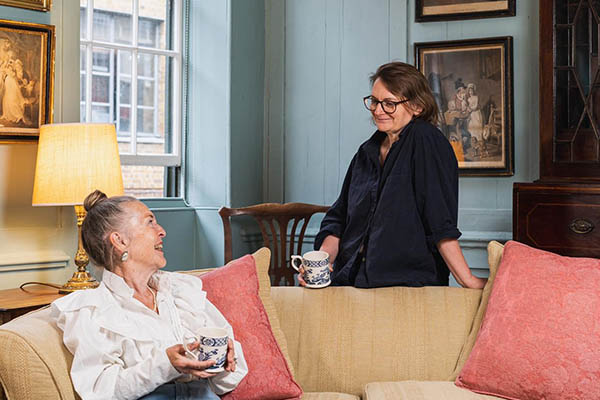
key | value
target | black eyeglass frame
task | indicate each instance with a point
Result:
(377, 102)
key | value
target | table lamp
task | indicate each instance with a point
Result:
(73, 160)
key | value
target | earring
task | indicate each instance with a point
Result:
(125, 256)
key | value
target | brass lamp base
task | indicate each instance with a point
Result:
(79, 281)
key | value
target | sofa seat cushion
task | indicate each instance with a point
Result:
(419, 390)
(329, 396)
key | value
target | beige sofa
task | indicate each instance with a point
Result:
(344, 343)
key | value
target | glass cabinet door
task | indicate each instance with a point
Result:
(574, 145)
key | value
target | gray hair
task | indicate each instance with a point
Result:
(104, 216)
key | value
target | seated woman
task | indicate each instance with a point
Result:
(126, 336)
(395, 220)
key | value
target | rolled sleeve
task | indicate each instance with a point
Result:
(436, 188)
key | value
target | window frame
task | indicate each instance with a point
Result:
(174, 113)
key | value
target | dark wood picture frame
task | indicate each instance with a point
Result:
(26, 79)
(450, 10)
(38, 5)
(472, 82)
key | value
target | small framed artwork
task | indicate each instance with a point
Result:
(472, 82)
(38, 5)
(448, 10)
(26, 79)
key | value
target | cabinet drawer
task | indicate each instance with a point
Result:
(562, 221)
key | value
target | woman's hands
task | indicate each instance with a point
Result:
(177, 356)
(331, 245)
(185, 365)
(231, 360)
(301, 280)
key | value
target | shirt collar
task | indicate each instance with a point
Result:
(116, 284)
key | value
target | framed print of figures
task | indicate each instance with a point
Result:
(448, 10)
(26, 79)
(38, 5)
(472, 82)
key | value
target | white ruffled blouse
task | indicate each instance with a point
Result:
(119, 345)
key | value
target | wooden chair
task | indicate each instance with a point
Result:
(266, 215)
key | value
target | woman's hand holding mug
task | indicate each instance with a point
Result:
(179, 360)
(314, 269)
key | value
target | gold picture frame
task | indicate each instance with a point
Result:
(472, 83)
(26, 79)
(450, 10)
(38, 5)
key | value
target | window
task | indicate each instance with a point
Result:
(130, 73)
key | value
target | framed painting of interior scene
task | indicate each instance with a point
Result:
(39, 5)
(472, 83)
(448, 10)
(26, 79)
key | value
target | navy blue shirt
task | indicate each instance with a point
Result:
(395, 213)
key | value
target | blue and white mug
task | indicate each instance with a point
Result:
(212, 346)
(316, 268)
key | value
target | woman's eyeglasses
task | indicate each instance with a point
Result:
(388, 106)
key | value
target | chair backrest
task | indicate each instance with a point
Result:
(273, 220)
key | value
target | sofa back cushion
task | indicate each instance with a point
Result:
(341, 338)
(540, 337)
(495, 250)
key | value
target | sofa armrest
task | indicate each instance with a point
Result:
(37, 364)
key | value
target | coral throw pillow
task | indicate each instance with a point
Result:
(540, 337)
(233, 289)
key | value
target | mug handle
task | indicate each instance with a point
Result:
(188, 340)
(294, 258)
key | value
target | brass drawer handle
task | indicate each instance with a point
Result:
(581, 226)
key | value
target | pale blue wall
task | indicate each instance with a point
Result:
(275, 109)
(225, 120)
(319, 55)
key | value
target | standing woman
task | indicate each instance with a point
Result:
(126, 335)
(395, 221)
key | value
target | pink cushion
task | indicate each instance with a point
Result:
(233, 289)
(540, 337)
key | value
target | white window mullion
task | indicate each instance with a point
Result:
(165, 160)
(155, 95)
(177, 78)
(111, 83)
(122, 46)
(89, 61)
(134, 80)
(118, 91)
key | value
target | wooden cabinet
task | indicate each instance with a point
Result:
(560, 212)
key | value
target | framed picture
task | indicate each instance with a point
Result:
(448, 10)
(38, 5)
(26, 79)
(472, 83)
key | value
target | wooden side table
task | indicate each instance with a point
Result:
(15, 302)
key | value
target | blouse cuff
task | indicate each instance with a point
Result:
(435, 237)
(323, 233)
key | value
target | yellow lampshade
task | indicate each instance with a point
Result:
(73, 160)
